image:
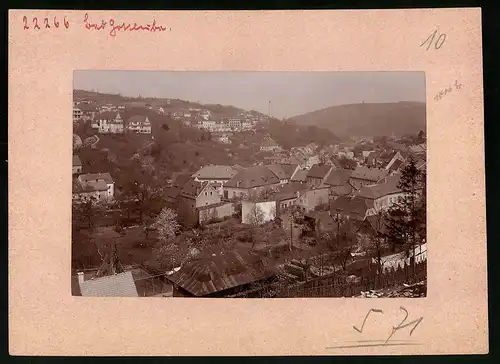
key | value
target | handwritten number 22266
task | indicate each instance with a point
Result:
(45, 23)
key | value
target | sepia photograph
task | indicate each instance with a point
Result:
(249, 184)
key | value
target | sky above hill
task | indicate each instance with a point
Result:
(290, 93)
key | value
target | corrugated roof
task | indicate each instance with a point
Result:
(319, 171)
(215, 172)
(255, 176)
(215, 271)
(106, 177)
(118, 285)
(76, 161)
(388, 186)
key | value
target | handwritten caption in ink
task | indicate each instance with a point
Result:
(111, 25)
(430, 40)
(46, 23)
(385, 342)
(446, 91)
(114, 27)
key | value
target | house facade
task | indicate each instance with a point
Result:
(363, 176)
(383, 195)
(77, 114)
(267, 211)
(313, 197)
(77, 165)
(249, 181)
(98, 182)
(109, 122)
(317, 174)
(139, 124)
(269, 145)
(194, 195)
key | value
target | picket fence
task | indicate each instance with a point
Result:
(335, 285)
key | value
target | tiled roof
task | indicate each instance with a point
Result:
(288, 191)
(180, 179)
(215, 271)
(351, 205)
(141, 119)
(117, 285)
(106, 177)
(215, 172)
(255, 176)
(319, 171)
(300, 176)
(421, 148)
(107, 115)
(193, 188)
(172, 192)
(76, 161)
(388, 186)
(269, 142)
(282, 171)
(370, 174)
(338, 177)
(92, 186)
(343, 190)
(397, 163)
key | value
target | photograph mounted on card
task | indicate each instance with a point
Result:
(306, 195)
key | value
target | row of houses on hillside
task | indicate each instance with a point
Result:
(113, 123)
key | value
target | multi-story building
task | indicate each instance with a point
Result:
(139, 124)
(108, 122)
(77, 114)
(234, 123)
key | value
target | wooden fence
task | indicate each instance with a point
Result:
(335, 285)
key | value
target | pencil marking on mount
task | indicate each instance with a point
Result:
(430, 40)
(456, 86)
(366, 317)
(394, 329)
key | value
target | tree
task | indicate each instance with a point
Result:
(347, 163)
(143, 193)
(86, 213)
(256, 216)
(406, 219)
(377, 242)
(167, 227)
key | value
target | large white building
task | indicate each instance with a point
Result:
(139, 124)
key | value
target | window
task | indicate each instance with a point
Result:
(206, 194)
(210, 193)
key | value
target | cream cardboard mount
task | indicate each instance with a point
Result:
(46, 46)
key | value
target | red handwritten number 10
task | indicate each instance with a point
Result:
(438, 43)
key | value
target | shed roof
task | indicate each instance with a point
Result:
(117, 285)
(214, 271)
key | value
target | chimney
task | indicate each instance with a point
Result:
(81, 277)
